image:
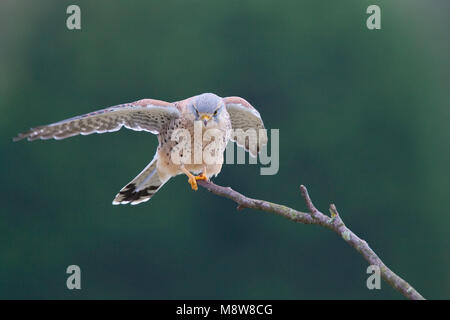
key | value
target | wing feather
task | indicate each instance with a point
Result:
(147, 114)
(248, 127)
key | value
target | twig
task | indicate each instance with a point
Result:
(333, 222)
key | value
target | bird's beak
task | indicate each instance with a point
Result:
(205, 119)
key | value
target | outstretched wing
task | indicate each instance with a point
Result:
(252, 134)
(147, 114)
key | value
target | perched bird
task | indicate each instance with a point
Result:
(207, 111)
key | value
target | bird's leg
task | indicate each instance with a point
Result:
(192, 179)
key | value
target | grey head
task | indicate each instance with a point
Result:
(206, 107)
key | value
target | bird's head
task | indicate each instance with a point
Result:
(207, 107)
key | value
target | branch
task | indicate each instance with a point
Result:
(314, 216)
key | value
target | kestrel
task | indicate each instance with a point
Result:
(206, 112)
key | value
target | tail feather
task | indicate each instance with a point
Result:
(141, 188)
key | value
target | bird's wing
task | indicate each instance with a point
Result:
(244, 116)
(147, 114)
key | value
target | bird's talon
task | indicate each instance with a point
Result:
(201, 177)
(193, 182)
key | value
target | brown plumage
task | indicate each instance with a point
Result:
(210, 113)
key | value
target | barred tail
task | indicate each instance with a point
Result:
(141, 188)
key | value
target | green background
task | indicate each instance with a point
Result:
(363, 118)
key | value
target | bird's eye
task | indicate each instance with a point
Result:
(215, 113)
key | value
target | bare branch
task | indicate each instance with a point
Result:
(308, 200)
(333, 222)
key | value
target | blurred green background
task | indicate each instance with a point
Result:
(363, 118)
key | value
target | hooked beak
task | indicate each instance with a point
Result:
(205, 118)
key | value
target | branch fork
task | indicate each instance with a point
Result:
(314, 216)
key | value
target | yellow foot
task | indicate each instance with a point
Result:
(193, 182)
(193, 179)
(202, 176)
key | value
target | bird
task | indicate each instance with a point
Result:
(228, 118)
